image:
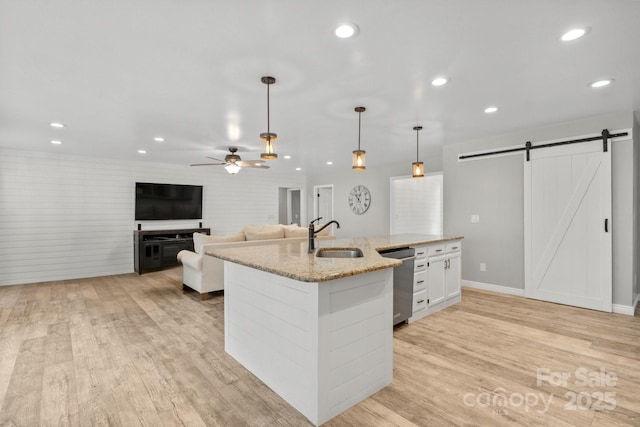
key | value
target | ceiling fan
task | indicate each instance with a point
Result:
(233, 163)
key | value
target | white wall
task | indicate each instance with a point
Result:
(375, 221)
(636, 203)
(65, 217)
(493, 188)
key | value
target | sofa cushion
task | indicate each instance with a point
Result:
(200, 239)
(263, 232)
(324, 232)
(294, 230)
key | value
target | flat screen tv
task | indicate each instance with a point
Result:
(168, 201)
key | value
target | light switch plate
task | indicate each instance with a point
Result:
(475, 218)
(483, 266)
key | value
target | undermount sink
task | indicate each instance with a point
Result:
(339, 253)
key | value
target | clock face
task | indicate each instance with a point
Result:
(359, 199)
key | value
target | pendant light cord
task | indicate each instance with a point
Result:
(268, 115)
(417, 146)
(359, 121)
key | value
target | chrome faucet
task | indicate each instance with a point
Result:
(313, 232)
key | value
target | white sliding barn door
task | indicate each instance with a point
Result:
(567, 249)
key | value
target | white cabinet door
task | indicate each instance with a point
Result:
(453, 275)
(436, 280)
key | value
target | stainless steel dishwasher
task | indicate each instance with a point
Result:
(402, 283)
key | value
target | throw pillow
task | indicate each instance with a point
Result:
(235, 237)
(324, 232)
(294, 230)
(263, 232)
(200, 239)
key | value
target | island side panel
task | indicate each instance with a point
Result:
(271, 329)
(356, 339)
(323, 347)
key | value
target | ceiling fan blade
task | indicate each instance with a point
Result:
(213, 158)
(260, 166)
(251, 163)
(209, 164)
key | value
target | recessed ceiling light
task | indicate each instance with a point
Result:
(56, 142)
(158, 139)
(298, 169)
(573, 34)
(56, 125)
(601, 83)
(439, 81)
(490, 110)
(345, 31)
(142, 151)
(287, 157)
(329, 163)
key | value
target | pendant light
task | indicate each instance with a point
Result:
(358, 161)
(268, 136)
(417, 166)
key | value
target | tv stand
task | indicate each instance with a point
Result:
(157, 249)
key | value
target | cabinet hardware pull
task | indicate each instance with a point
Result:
(606, 225)
(420, 265)
(455, 247)
(420, 281)
(438, 250)
(421, 301)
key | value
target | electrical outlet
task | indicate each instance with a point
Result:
(475, 218)
(483, 266)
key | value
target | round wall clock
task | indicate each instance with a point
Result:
(359, 199)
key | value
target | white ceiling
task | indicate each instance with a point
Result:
(120, 72)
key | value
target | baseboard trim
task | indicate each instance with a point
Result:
(628, 310)
(493, 288)
(623, 309)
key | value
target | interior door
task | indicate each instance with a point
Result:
(567, 225)
(324, 202)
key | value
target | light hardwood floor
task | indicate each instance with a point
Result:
(135, 350)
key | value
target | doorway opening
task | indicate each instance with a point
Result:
(290, 209)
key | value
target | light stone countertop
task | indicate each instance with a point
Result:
(292, 260)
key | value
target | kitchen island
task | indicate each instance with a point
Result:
(317, 331)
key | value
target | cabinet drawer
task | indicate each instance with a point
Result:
(419, 281)
(420, 265)
(421, 252)
(436, 250)
(419, 300)
(453, 247)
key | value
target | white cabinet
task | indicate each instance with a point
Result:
(420, 300)
(436, 269)
(452, 270)
(436, 283)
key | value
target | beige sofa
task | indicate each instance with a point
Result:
(205, 274)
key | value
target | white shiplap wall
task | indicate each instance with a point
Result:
(65, 217)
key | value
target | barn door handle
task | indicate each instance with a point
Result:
(606, 225)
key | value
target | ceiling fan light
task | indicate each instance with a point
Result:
(418, 169)
(232, 168)
(358, 160)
